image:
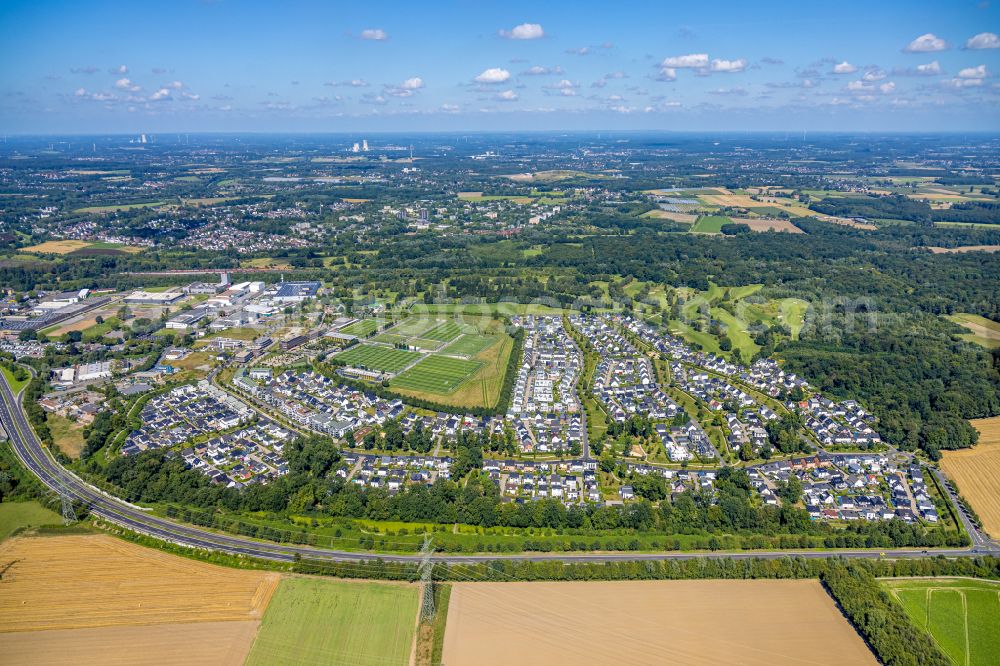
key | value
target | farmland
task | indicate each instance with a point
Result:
(768, 224)
(982, 331)
(686, 621)
(960, 614)
(977, 472)
(325, 621)
(374, 357)
(94, 599)
(437, 374)
(709, 224)
(76, 581)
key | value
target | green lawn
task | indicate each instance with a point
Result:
(313, 621)
(15, 515)
(362, 328)
(375, 357)
(414, 326)
(960, 614)
(469, 345)
(437, 374)
(709, 224)
(15, 384)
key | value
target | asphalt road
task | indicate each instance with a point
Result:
(40, 462)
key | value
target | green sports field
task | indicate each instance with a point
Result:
(375, 357)
(362, 328)
(437, 374)
(444, 332)
(960, 614)
(312, 621)
(469, 345)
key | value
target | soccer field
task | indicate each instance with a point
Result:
(362, 328)
(449, 330)
(374, 357)
(313, 621)
(469, 345)
(437, 374)
(961, 614)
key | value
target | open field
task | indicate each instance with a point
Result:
(118, 207)
(15, 515)
(68, 435)
(709, 224)
(977, 472)
(437, 374)
(376, 357)
(685, 621)
(195, 643)
(312, 621)
(444, 332)
(57, 247)
(963, 248)
(983, 331)
(80, 581)
(683, 218)
(768, 224)
(960, 614)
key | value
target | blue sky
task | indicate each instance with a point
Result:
(242, 65)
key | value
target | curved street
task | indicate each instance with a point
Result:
(41, 463)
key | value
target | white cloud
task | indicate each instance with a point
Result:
(191, 96)
(582, 51)
(449, 108)
(616, 75)
(984, 40)
(506, 96)
(493, 75)
(963, 83)
(978, 72)
(80, 92)
(855, 86)
(126, 84)
(927, 43)
(887, 87)
(729, 65)
(667, 74)
(159, 95)
(930, 69)
(690, 61)
(176, 85)
(120, 69)
(538, 70)
(564, 84)
(358, 83)
(874, 75)
(524, 31)
(415, 83)
(844, 68)
(374, 34)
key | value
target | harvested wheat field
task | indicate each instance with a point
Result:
(201, 643)
(963, 248)
(762, 224)
(762, 622)
(58, 246)
(683, 218)
(79, 581)
(977, 473)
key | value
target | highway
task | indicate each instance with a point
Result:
(40, 462)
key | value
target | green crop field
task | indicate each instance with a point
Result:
(960, 614)
(469, 345)
(362, 328)
(312, 621)
(709, 224)
(15, 515)
(375, 357)
(437, 374)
